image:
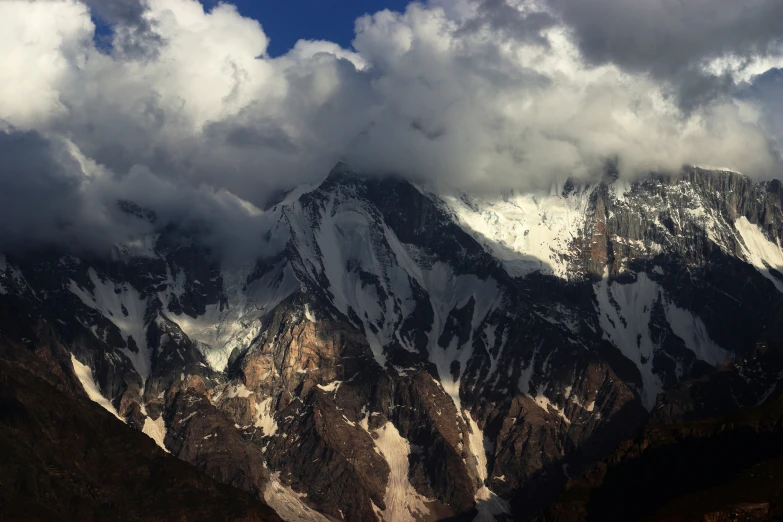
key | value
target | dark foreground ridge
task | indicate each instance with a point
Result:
(730, 468)
(65, 458)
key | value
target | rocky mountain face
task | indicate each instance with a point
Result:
(404, 352)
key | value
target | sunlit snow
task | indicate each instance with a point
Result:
(760, 251)
(84, 374)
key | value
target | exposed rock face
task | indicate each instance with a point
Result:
(409, 352)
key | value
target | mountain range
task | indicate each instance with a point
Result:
(403, 351)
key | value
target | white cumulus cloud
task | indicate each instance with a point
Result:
(482, 94)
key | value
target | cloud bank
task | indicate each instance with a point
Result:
(186, 103)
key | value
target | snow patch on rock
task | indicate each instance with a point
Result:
(693, 332)
(624, 313)
(84, 374)
(487, 503)
(545, 404)
(156, 430)
(121, 304)
(308, 313)
(265, 418)
(402, 501)
(331, 387)
(526, 375)
(760, 251)
(288, 503)
(238, 390)
(448, 291)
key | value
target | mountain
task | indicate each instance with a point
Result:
(404, 352)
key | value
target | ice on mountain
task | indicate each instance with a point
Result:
(625, 313)
(308, 313)
(345, 238)
(218, 332)
(402, 501)
(492, 340)
(123, 305)
(628, 326)
(693, 332)
(448, 291)
(526, 232)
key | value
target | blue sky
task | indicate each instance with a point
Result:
(286, 21)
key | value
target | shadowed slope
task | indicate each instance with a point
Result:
(66, 458)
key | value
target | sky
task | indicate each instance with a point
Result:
(206, 111)
(287, 21)
(284, 23)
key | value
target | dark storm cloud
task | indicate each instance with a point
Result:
(244, 136)
(667, 36)
(41, 201)
(127, 12)
(767, 91)
(133, 34)
(51, 199)
(672, 39)
(499, 15)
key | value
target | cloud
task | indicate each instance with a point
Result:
(41, 43)
(698, 46)
(485, 94)
(522, 21)
(766, 93)
(470, 108)
(134, 35)
(45, 199)
(54, 197)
